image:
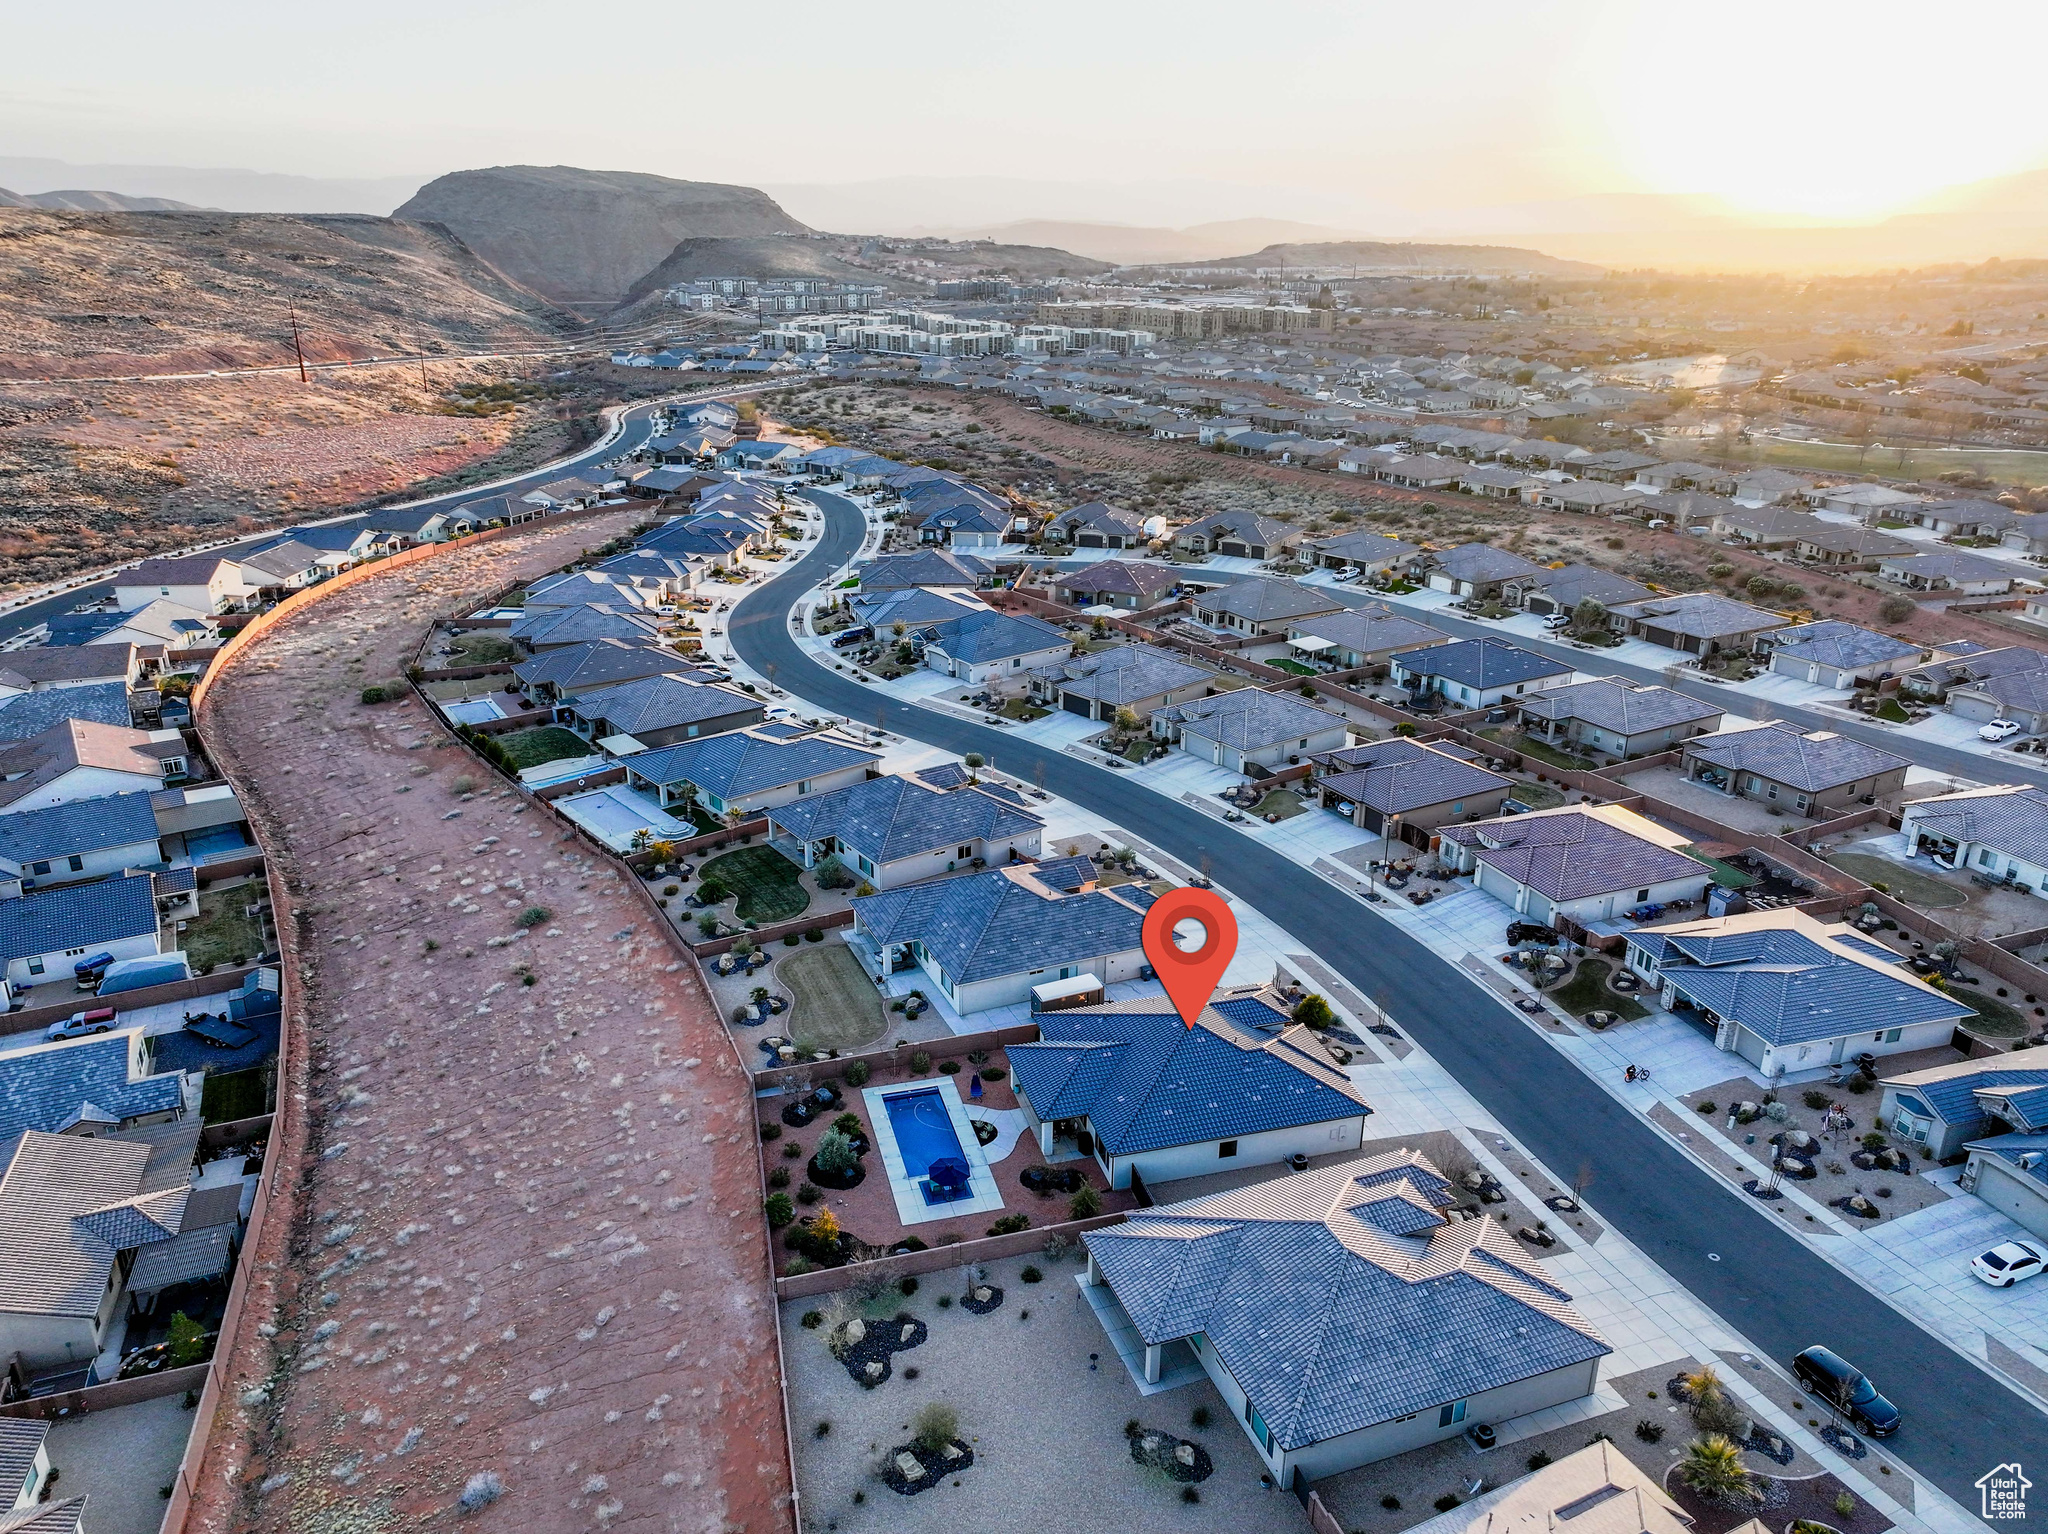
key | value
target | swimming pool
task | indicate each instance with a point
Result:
(924, 1131)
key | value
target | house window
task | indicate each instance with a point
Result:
(1887, 1036)
(1984, 857)
(804, 787)
(39, 868)
(1258, 1426)
(966, 852)
(76, 863)
(1458, 808)
(1451, 1415)
(1226, 1148)
(1641, 896)
(35, 966)
(692, 733)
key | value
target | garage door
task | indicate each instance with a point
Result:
(2005, 1194)
(1073, 703)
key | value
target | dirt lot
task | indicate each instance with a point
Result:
(526, 1248)
(1058, 463)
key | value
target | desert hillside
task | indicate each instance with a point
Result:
(1391, 253)
(95, 294)
(585, 236)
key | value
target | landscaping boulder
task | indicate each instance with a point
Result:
(856, 1329)
(1862, 1207)
(1797, 1142)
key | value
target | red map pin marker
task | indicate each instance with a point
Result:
(1190, 976)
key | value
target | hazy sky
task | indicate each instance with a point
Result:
(1311, 109)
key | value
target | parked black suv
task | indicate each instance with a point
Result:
(1843, 1386)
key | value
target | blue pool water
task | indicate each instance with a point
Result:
(923, 1129)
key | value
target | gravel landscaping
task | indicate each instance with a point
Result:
(1046, 1429)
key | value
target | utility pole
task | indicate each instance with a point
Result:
(298, 350)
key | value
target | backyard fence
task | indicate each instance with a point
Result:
(934, 1259)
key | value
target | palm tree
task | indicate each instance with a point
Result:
(1713, 1467)
(1703, 1384)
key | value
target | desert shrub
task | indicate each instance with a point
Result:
(375, 694)
(1085, 1205)
(1199, 1417)
(779, 1209)
(813, 1319)
(531, 917)
(1649, 1431)
(1031, 1274)
(778, 1177)
(835, 1154)
(1009, 1224)
(1814, 1098)
(1538, 1460)
(1709, 1106)
(807, 1193)
(856, 1072)
(935, 1426)
(950, 1067)
(1446, 1502)
(920, 1061)
(814, 934)
(771, 1131)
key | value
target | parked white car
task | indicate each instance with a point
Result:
(2006, 1264)
(1999, 729)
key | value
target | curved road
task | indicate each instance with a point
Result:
(1728, 1251)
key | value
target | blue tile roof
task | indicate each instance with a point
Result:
(1786, 754)
(28, 714)
(1145, 1080)
(1569, 854)
(1341, 1298)
(988, 925)
(977, 638)
(76, 916)
(1250, 720)
(47, 1087)
(890, 818)
(1480, 663)
(78, 826)
(1791, 980)
(745, 762)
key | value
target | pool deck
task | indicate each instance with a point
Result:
(911, 1208)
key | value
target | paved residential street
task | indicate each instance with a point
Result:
(1730, 1252)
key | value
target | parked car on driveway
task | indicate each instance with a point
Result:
(1999, 729)
(1843, 1386)
(2008, 1262)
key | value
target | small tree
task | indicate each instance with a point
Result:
(1085, 1204)
(1589, 616)
(1127, 720)
(825, 1232)
(1713, 1467)
(1314, 1012)
(187, 1341)
(1897, 609)
(835, 1154)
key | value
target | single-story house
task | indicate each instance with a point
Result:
(747, 770)
(1765, 527)
(588, 588)
(1140, 677)
(549, 628)
(1870, 504)
(658, 711)
(978, 647)
(1944, 1106)
(1361, 636)
(566, 673)
(1831, 653)
(1961, 665)
(1789, 993)
(2000, 831)
(1561, 590)
(43, 933)
(1098, 526)
(911, 606)
(1694, 623)
(1369, 552)
(1249, 728)
(52, 668)
(1495, 482)
(1779, 763)
(1969, 575)
(1407, 788)
(1112, 583)
(1478, 673)
(1261, 606)
(1589, 497)
(893, 830)
(2010, 1173)
(1765, 487)
(287, 566)
(1860, 548)
(1243, 534)
(98, 1085)
(80, 759)
(1363, 1262)
(1473, 569)
(966, 522)
(2021, 696)
(926, 567)
(81, 839)
(664, 575)
(986, 939)
(1588, 863)
(1616, 718)
(1156, 1097)
(1965, 518)
(162, 629)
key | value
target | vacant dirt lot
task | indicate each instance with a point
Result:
(525, 1253)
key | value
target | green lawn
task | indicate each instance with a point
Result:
(1538, 796)
(1024, 711)
(1292, 667)
(544, 743)
(235, 1095)
(768, 885)
(1281, 802)
(1548, 754)
(220, 933)
(1903, 883)
(2012, 466)
(835, 1005)
(1587, 992)
(484, 649)
(1727, 875)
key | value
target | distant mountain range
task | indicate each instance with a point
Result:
(242, 191)
(1131, 245)
(93, 202)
